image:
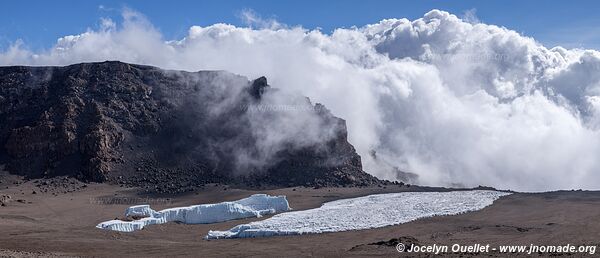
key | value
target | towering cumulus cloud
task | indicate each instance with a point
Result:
(451, 102)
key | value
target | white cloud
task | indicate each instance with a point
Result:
(455, 102)
(252, 19)
(470, 16)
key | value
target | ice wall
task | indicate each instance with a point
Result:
(254, 206)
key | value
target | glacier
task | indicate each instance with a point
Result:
(256, 205)
(373, 211)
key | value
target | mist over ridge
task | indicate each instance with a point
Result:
(454, 102)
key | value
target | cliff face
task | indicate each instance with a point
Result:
(167, 131)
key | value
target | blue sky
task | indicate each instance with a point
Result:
(40, 23)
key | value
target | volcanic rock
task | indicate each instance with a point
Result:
(165, 131)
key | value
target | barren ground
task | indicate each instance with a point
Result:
(54, 223)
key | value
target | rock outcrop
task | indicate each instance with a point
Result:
(166, 131)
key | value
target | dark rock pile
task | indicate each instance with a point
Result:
(5, 199)
(142, 126)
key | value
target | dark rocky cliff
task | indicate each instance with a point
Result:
(158, 129)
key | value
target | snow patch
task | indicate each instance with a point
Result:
(373, 211)
(256, 205)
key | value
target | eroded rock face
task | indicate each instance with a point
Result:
(167, 131)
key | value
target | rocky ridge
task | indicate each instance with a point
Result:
(143, 126)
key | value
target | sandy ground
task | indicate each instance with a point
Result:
(53, 225)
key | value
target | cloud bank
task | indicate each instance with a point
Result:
(459, 103)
